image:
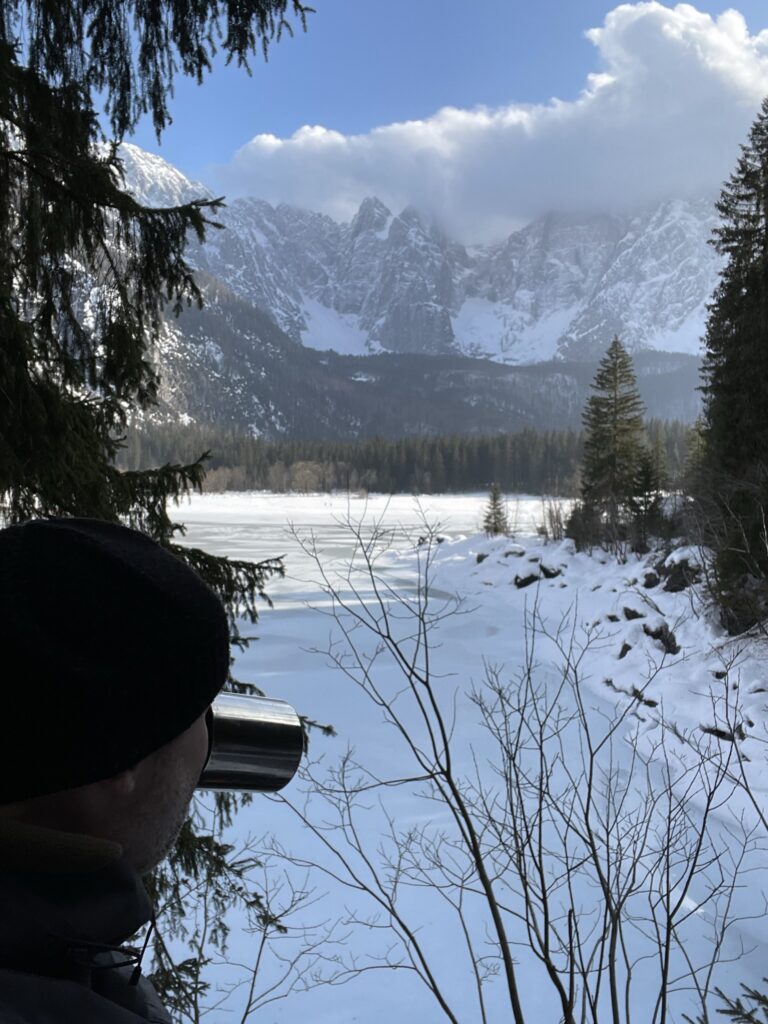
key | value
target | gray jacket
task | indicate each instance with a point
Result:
(67, 905)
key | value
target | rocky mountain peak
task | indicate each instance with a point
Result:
(559, 287)
(373, 215)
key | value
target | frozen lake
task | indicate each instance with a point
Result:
(290, 660)
(256, 525)
(261, 525)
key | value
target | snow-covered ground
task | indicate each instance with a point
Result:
(656, 659)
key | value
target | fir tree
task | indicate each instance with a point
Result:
(645, 503)
(734, 484)
(614, 443)
(495, 515)
(736, 360)
(695, 459)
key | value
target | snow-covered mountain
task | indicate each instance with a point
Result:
(559, 288)
(155, 182)
(313, 328)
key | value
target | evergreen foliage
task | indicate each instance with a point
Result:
(525, 462)
(625, 465)
(495, 515)
(86, 270)
(740, 1011)
(736, 361)
(733, 494)
(87, 275)
(614, 443)
(644, 505)
(695, 460)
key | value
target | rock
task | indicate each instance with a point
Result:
(679, 575)
(651, 579)
(612, 618)
(525, 581)
(625, 649)
(664, 635)
(632, 613)
(548, 573)
(481, 557)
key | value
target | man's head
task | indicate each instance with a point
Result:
(111, 651)
(141, 808)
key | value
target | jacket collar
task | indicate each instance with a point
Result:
(34, 848)
(65, 898)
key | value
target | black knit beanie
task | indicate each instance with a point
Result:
(110, 647)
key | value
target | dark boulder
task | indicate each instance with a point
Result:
(632, 613)
(664, 635)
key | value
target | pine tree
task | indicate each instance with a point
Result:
(614, 443)
(645, 503)
(736, 359)
(495, 515)
(694, 474)
(87, 275)
(734, 484)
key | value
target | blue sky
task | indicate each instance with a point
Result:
(368, 64)
(364, 63)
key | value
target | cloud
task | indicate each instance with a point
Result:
(672, 97)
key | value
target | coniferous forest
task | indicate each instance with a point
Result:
(527, 461)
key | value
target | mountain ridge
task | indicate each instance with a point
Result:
(313, 328)
(560, 287)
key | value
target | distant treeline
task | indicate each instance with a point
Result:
(528, 461)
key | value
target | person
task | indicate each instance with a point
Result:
(111, 652)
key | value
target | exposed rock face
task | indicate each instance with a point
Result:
(229, 364)
(559, 288)
(427, 335)
(654, 289)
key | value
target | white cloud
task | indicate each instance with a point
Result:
(663, 116)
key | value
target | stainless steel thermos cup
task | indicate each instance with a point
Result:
(255, 744)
